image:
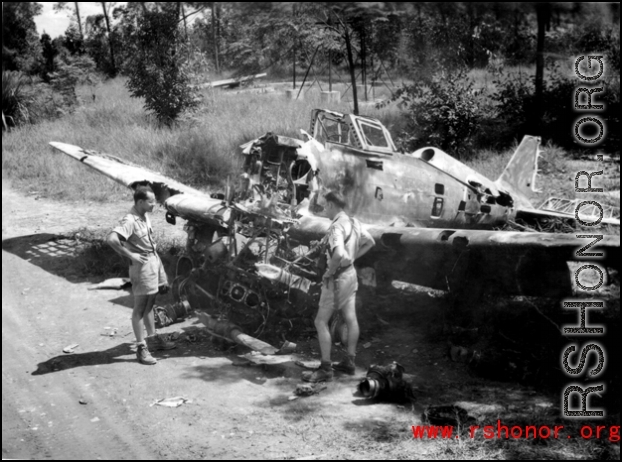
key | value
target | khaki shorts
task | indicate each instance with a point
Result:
(340, 291)
(148, 277)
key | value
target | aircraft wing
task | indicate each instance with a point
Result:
(123, 172)
(518, 263)
(180, 200)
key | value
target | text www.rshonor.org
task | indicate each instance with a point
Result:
(500, 431)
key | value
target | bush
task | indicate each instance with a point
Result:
(517, 109)
(14, 99)
(155, 69)
(443, 112)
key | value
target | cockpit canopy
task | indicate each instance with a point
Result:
(351, 130)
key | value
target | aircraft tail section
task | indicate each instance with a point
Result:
(519, 176)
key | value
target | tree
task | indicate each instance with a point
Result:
(20, 41)
(59, 6)
(156, 71)
(111, 46)
(543, 13)
(49, 51)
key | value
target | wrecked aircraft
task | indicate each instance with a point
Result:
(249, 250)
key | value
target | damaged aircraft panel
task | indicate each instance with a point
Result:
(249, 252)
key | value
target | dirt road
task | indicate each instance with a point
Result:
(96, 402)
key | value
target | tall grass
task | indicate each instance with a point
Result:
(201, 150)
(14, 99)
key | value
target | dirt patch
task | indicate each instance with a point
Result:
(97, 401)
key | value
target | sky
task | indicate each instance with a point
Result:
(56, 24)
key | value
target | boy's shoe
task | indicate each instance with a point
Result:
(346, 366)
(319, 375)
(143, 355)
(159, 342)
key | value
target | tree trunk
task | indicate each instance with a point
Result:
(351, 66)
(542, 12)
(364, 61)
(183, 13)
(114, 66)
(215, 35)
(79, 20)
(144, 6)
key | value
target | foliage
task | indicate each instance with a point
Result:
(516, 108)
(72, 41)
(14, 98)
(20, 43)
(443, 112)
(156, 72)
(96, 43)
(71, 71)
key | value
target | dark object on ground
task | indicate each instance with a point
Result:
(114, 283)
(308, 389)
(386, 383)
(446, 415)
(165, 316)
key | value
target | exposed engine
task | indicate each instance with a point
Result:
(248, 270)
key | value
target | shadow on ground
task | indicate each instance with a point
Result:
(60, 255)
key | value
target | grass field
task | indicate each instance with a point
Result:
(201, 150)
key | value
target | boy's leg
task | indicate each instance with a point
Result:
(324, 313)
(140, 304)
(349, 314)
(148, 315)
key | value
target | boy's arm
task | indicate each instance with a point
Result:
(113, 241)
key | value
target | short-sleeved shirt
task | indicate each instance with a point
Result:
(349, 233)
(137, 232)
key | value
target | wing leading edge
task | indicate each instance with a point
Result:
(180, 200)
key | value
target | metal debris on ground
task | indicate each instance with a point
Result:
(70, 348)
(170, 314)
(233, 333)
(114, 283)
(171, 402)
(308, 389)
(174, 336)
(308, 364)
(446, 415)
(366, 345)
(287, 348)
(257, 358)
(386, 383)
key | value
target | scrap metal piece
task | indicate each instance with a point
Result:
(114, 283)
(232, 333)
(386, 383)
